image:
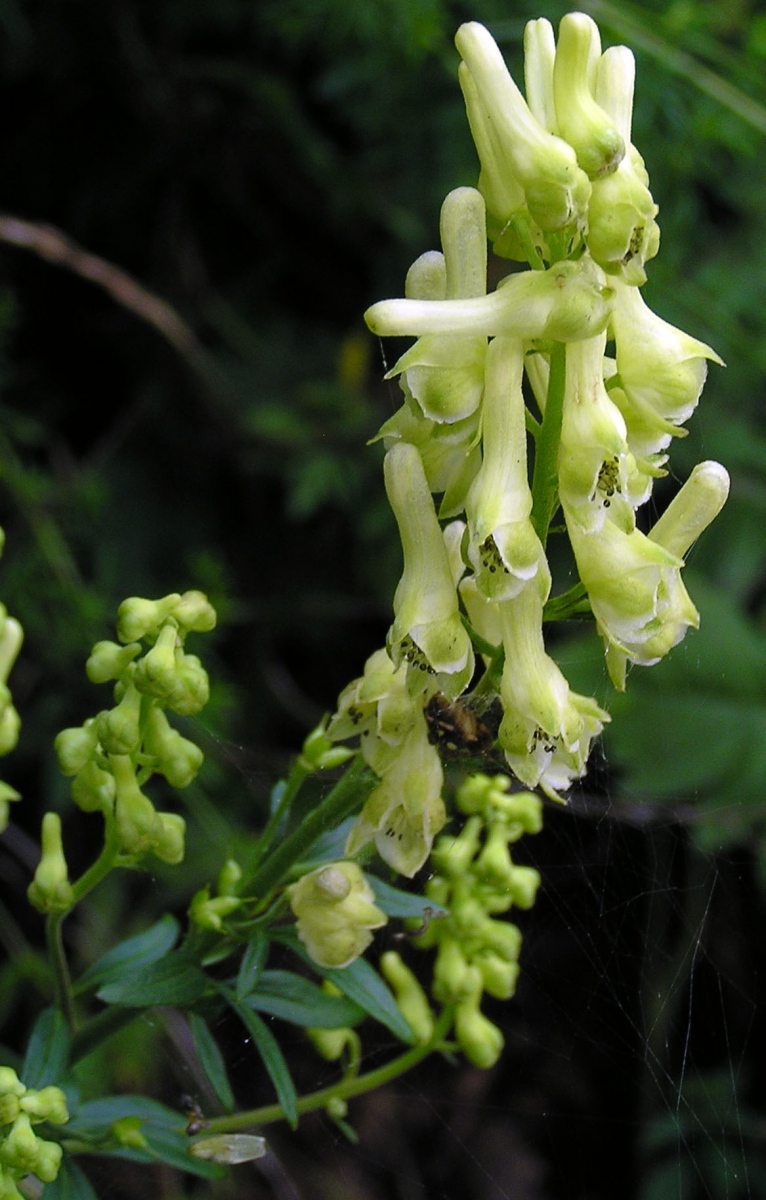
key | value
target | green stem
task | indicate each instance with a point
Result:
(298, 775)
(347, 794)
(343, 1089)
(545, 475)
(62, 981)
(569, 604)
(53, 926)
(520, 223)
(98, 870)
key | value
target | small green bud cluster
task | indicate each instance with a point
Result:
(335, 911)
(476, 879)
(22, 1151)
(112, 755)
(562, 187)
(209, 912)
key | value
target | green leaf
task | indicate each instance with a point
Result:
(212, 1061)
(47, 1050)
(273, 1060)
(174, 979)
(69, 1184)
(132, 954)
(163, 1128)
(253, 962)
(362, 984)
(283, 994)
(395, 903)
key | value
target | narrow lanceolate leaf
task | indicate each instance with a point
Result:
(212, 1060)
(174, 979)
(253, 962)
(396, 903)
(288, 996)
(273, 1060)
(132, 954)
(47, 1050)
(362, 984)
(163, 1129)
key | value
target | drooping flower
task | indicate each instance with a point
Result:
(593, 447)
(547, 729)
(503, 548)
(662, 370)
(641, 606)
(406, 810)
(427, 631)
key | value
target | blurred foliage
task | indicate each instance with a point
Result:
(271, 167)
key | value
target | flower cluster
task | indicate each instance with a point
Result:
(22, 1151)
(563, 189)
(476, 880)
(112, 755)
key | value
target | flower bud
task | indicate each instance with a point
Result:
(24, 1153)
(503, 939)
(523, 886)
(556, 189)
(410, 997)
(192, 687)
(498, 976)
(11, 638)
(229, 877)
(47, 1104)
(75, 747)
(335, 913)
(93, 789)
(109, 660)
(156, 673)
(494, 863)
(50, 890)
(138, 823)
(452, 856)
(194, 613)
(10, 724)
(333, 1043)
(320, 754)
(480, 1040)
(138, 618)
(451, 972)
(209, 913)
(178, 759)
(127, 1132)
(168, 844)
(119, 730)
(588, 129)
